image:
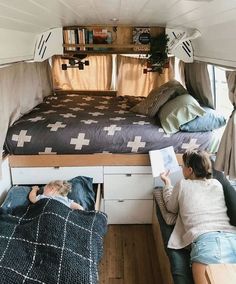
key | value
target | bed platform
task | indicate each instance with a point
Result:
(81, 124)
(96, 136)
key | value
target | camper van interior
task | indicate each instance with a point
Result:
(87, 89)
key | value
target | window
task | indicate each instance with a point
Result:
(220, 90)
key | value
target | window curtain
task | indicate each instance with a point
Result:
(226, 155)
(22, 87)
(133, 82)
(181, 67)
(96, 76)
(197, 82)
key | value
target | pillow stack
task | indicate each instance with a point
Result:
(177, 110)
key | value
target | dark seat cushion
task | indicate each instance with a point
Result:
(179, 259)
(230, 195)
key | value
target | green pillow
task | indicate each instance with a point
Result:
(178, 111)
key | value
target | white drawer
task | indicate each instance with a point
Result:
(127, 170)
(129, 211)
(129, 186)
(41, 175)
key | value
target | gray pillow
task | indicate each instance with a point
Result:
(178, 111)
(158, 97)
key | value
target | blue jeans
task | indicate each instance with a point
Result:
(214, 247)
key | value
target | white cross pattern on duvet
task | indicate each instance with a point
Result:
(96, 113)
(79, 142)
(89, 121)
(136, 144)
(56, 126)
(141, 122)
(35, 119)
(21, 138)
(48, 151)
(112, 129)
(67, 115)
(101, 107)
(191, 145)
(117, 118)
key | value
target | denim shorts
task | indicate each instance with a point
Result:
(214, 247)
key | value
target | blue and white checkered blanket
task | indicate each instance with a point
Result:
(49, 243)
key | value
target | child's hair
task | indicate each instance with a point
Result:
(63, 187)
(199, 161)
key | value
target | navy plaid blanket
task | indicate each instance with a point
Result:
(49, 243)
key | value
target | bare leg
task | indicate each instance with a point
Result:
(198, 270)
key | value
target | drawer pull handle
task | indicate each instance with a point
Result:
(128, 175)
(56, 167)
(120, 200)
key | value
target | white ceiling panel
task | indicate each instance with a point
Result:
(203, 15)
(40, 15)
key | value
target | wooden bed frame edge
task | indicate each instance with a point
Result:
(99, 159)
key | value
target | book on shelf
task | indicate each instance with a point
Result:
(141, 36)
(100, 36)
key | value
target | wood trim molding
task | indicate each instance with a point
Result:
(82, 160)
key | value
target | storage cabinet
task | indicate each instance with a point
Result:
(43, 175)
(128, 195)
(127, 190)
(82, 39)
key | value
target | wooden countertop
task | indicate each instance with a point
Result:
(221, 273)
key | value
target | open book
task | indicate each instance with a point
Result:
(163, 160)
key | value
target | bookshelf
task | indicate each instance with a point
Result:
(104, 40)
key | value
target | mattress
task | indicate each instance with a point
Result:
(83, 124)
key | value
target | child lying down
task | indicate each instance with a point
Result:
(56, 190)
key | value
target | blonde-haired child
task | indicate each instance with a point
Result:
(57, 190)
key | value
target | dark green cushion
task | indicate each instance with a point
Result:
(230, 195)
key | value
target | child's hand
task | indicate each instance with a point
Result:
(81, 207)
(76, 206)
(33, 194)
(35, 187)
(165, 178)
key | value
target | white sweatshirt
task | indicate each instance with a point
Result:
(201, 208)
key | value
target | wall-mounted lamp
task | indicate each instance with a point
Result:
(75, 61)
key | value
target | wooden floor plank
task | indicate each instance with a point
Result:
(129, 256)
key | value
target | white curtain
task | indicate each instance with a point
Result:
(226, 155)
(22, 86)
(133, 82)
(96, 76)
